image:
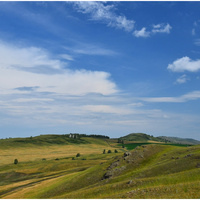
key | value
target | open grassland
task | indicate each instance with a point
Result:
(35, 152)
(147, 171)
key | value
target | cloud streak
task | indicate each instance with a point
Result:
(104, 13)
(184, 98)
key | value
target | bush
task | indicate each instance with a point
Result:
(109, 151)
(73, 158)
(78, 155)
(104, 151)
(15, 161)
(116, 151)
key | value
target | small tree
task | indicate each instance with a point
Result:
(15, 161)
(116, 151)
(73, 158)
(109, 151)
(104, 151)
(78, 155)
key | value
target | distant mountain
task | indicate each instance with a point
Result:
(142, 137)
(180, 140)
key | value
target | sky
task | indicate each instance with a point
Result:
(97, 67)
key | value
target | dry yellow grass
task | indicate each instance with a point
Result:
(25, 154)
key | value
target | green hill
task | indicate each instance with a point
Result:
(51, 139)
(149, 171)
(140, 137)
(49, 168)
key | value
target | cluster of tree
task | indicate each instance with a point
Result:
(77, 135)
(109, 151)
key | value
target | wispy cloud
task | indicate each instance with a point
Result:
(141, 33)
(182, 79)
(66, 57)
(196, 28)
(184, 64)
(184, 98)
(197, 42)
(159, 28)
(104, 13)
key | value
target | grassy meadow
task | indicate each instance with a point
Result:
(48, 169)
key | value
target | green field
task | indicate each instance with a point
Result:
(131, 146)
(46, 169)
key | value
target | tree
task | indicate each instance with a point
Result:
(104, 151)
(15, 161)
(78, 155)
(116, 151)
(109, 151)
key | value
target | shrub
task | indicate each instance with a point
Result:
(104, 151)
(43, 158)
(57, 159)
(78, 155)
(109, 151)
(116, 151)
(73, 158)
(15, 161)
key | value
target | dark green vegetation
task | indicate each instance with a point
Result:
(150, 170)
(42, 140)
(131, 146)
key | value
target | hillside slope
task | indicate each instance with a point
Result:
(148, 171)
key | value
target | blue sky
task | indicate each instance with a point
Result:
(109, 68)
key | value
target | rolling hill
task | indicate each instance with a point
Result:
(48, 168)
(142, 137)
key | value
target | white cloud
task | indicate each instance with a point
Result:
(161, 28)
(26, 70)
(26, 57)
(184, 98)
(141, 33)
(182, 79)
(104, 13)
(66, 57)
(107, 109)
(93, 50)
(184, 64)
